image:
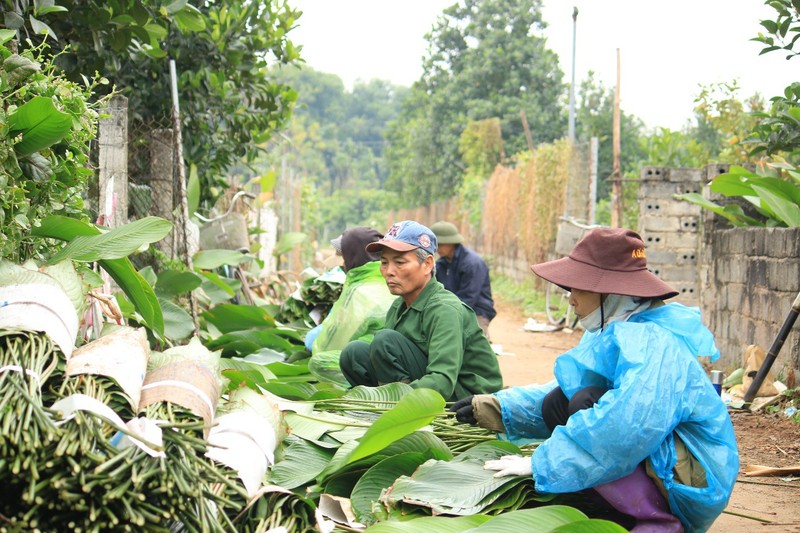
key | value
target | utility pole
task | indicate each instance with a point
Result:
(572, 85)
(616, 177)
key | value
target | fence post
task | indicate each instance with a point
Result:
(113, 163)
(162, 184)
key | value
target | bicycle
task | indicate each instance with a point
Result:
(557, 308)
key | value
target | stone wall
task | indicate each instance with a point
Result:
(743, 279)
(751, 281)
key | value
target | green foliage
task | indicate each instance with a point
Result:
(46, 127)
(522, 293)
(776, 200)
(723, 121)
(481, 147)
(486, 59)
(676, 149)
(117, 264)
(778, 129)
(224, 52)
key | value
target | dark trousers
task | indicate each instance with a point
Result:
(388, 358)
(556, 408)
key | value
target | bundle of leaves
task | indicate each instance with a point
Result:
(314, 295)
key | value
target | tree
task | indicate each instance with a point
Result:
(222, 49)
(485, 60)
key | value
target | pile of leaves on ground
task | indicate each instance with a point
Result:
(228, 432)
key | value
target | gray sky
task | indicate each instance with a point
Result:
(666, 48)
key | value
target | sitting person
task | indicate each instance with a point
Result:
(631, 413)
(432, 339)
(464, 273)
(359, 311)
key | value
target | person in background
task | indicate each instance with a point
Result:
(631, 413)
(432, 339)
(359, 311)
(464, 273)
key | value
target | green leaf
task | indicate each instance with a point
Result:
(174, 282)
(121, 270)
(17, 67)
(459, 487)
(380, 477)
(548, 519)
(291, 391)
(786, 209)
(46, 10)
(229, 317)
(282, 369)
(40, 28)
(175, 6)
(288, 241)
(190, 19)
(6, 35)
(211, 259)
(391, 392)
(414, 411)
(116, 243)
(249, 341)
(434, 524)
(40, 124)
(302, 462)
(36, 167)
(733, 213)
(178, 323)
(156, 31)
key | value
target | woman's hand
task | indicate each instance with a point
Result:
(510, 465)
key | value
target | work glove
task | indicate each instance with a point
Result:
(464, 411)
(510, 465)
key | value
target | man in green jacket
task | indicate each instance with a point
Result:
(432, 340)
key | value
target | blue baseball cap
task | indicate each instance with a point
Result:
(406, 236)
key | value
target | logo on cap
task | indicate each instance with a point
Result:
(424, 241)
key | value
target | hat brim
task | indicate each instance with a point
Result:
(398, 246)
(571, 274)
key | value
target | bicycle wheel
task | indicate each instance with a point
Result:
(556, 304)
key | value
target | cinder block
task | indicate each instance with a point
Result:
(658, 223)
(677, 274)
(685, 175)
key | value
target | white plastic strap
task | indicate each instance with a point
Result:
(183, 385)
(17, 368)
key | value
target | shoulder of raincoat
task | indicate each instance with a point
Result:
(359, 311)
(657, 388)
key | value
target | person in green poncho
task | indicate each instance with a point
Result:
(359, 311)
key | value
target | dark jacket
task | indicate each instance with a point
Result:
(467, 276)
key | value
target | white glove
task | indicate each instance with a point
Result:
(510, 465)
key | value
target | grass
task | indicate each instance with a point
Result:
(522, 293)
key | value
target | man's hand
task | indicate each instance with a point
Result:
(510, 465)
(464, 411)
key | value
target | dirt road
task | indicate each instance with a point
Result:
(528, 358)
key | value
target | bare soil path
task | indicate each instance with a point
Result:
(769, 504)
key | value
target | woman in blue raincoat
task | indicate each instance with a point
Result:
(631, 413)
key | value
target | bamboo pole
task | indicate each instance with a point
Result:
(176, 124)
(616, 177)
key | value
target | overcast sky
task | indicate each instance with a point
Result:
(666, 48)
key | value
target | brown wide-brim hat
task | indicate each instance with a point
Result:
(606, 261)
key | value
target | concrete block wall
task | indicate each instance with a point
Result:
(754, 277)
(671, 228)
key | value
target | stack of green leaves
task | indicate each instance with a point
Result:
(314, 295)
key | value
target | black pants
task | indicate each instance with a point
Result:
(556, 408)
